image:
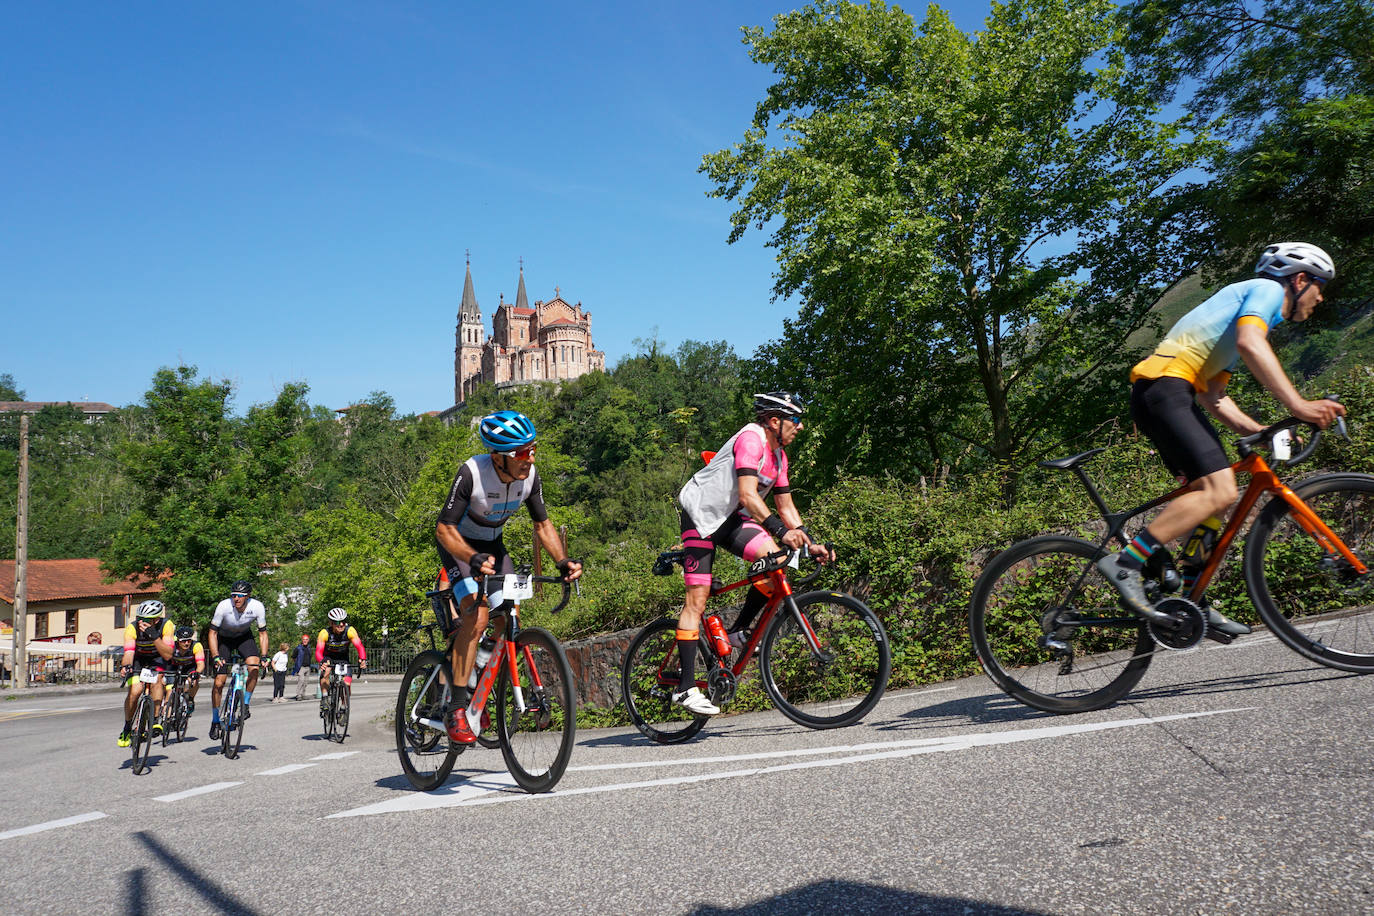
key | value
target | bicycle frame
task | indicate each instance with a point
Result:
(1263, 480)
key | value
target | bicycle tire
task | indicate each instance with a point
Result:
(226, 712)
(341, 716)
(238, 722)
(842, 685)
(142, 743)
(183, 714)
(331, 710)
(166, 719)
(1011, 610)
(1314, 603)
(538, 742)
(427, 755)
(648, 678)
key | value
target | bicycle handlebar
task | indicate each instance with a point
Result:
(563, 602)
(1246, 444)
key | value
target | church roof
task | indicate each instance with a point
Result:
(521, 300)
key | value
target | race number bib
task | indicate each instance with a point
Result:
(148, 676)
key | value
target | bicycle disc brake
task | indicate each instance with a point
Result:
(1188, 629)
(720, 685)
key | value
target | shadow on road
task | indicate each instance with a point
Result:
(214, 895)
(987, 709)
(1266, 680)
(854, 897)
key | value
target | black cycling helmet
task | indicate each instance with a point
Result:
(184, 632)
(241, 587)
(779, 402)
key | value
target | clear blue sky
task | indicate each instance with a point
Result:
(284, 191)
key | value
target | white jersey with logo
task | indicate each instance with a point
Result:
(479, 502)
(230, 621)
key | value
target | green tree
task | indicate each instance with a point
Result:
(1291, 84)
(973, 223)
(9, 390)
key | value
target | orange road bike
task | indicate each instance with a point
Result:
(824, 656)
(1051, 632)
(527, 675)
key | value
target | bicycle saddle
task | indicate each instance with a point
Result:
(1073, 461)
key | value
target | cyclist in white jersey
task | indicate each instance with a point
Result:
(230, 632)
(486, 492)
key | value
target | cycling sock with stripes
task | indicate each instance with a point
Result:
(687, 651)
(1138, 551)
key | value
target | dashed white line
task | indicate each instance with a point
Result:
(283, 770)
(199, 790)
(53, 825)
(337, 755)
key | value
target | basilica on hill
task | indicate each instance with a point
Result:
(548, 342)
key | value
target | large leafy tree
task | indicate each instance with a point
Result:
(1291, 84)
(973, 223)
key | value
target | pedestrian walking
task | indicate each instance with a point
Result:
(300, 664)
(279, 663)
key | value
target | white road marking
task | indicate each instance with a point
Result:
(199, 790)
(53, 825)
(479, 791)
(337, 755)
(283, 770)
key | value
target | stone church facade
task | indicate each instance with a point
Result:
(548, 342)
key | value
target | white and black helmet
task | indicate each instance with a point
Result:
(337, 615)
(781, 402)
(150, 610)
(1286, 258)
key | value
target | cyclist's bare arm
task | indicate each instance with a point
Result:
(460, 549)
(1220, 405)
(548, 537)
(753, 503)
(1253, 345)
(787, 511)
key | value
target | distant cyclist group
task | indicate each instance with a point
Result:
(442, 707)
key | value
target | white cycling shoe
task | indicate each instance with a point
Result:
(695, 701)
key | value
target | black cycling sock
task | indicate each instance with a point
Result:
(753, 603)
(128, 725)
(687, 650)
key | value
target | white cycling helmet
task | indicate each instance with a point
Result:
(1286, 258)
(150, 610)
(338, 615)
(781, 402)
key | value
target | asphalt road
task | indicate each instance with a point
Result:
(1235, 780)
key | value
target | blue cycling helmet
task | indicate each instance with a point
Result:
(506, 430)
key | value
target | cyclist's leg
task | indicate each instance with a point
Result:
(749, 542)
(699, 552)
(1165, 410)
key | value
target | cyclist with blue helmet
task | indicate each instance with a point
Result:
(486, 492)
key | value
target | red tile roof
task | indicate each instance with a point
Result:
(67, 580)
(35, 406)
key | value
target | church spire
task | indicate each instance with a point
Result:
(469, 311)
(521, 300)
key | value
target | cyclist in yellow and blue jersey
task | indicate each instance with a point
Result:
(1191, 367)
(147, 644)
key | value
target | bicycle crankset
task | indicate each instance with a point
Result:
(720, 685)
(1188, 628)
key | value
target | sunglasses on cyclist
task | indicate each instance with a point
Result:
(237, 595)
(523, 453)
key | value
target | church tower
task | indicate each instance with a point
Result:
(471, 334)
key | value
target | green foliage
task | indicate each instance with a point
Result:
(914, 178)
(9, 390)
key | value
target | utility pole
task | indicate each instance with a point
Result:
(20, 675)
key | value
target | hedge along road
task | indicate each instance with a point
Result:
(1235, 777)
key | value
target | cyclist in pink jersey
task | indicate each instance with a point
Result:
(723, 506)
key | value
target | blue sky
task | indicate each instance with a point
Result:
(284, 191)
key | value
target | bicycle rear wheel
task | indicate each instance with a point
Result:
(168, 724)
(331, 711)
(538, 739)
(840, 678)
(142, 743)
(1312, 599)
(238, 722)
(226, 721)
(648, 678)
(422, 743)
(1049, 630)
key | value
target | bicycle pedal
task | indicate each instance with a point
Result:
(1218, 636)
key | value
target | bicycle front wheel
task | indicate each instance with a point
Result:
(648, 677)
(238, 723)
(536, 714)
(226, 722)
(826, 663)
(331, 712)
(1310, 597)
(341, 716)
(143, 733)
(183, 715)
(1049, 629)
(422, 743)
